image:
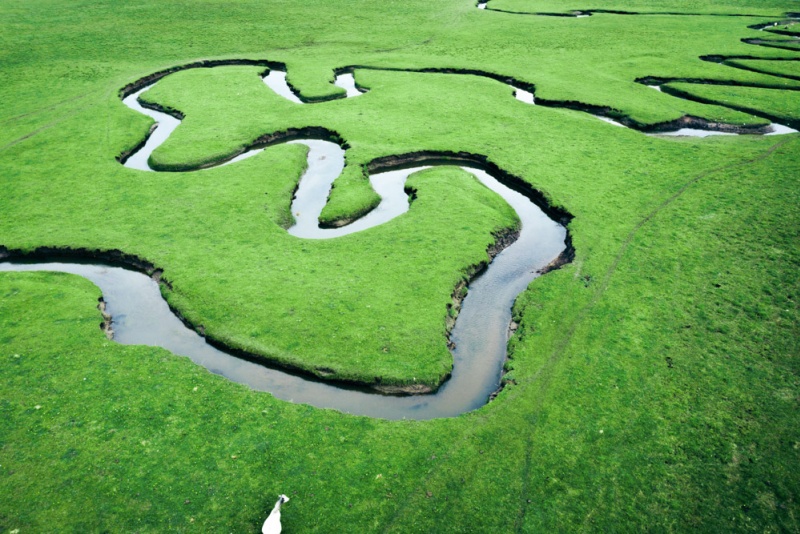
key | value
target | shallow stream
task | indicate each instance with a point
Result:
(141, 316)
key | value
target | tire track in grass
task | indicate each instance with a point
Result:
(47, 126)
(45, 108)
(543, 373)
(519, 522)
(417, 493)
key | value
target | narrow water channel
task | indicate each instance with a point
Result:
(141, 316)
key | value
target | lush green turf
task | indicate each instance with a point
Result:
(655, 377)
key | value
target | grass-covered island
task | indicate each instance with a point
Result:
(652, 378)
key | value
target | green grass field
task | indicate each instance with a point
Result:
(653, 381)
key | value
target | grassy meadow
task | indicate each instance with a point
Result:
(653, 381)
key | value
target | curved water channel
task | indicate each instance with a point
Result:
(141, 316)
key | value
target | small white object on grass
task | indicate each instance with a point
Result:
(273, 523)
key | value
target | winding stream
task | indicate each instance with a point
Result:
(141, 316)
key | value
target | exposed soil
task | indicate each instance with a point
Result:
(566, 256)
(125, 154)
(113, 257)
(502, 240)
(480, 161)
(784, 44)
(410, 389)
(105, 326)
(264, 141)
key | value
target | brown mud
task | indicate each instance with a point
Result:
(105, 326)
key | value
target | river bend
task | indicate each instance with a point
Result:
(141, 316)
